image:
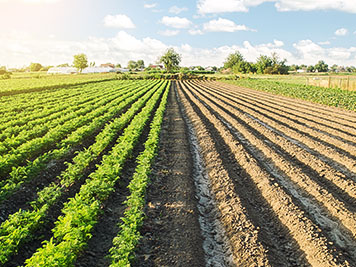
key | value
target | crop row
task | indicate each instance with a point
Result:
(20, 225)
(327, 96)
(80, 214)
(48, 123)
(23, 173)
(128, 237)
(12, 125)
(36, 146)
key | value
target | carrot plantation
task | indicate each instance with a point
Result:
(193, 172)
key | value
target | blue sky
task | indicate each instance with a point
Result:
(204, 32)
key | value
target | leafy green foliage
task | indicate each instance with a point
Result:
(35, 67)
(321, 66)
(327, 96)
(80, 214)
(170, 59)
(15, 230)
(80, 62)
(125, 242)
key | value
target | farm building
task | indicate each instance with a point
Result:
(62, 70)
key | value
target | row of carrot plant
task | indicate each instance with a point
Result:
(20, 226)
(21, 174)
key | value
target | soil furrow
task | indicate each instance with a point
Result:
(243, 235)
(318, 159)
(337, 157)
(317, 249)
(171, 233)
(328, 139)
(281, 248)
(309, 107)
(295, 171)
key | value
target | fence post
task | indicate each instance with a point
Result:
(348, 83)
(329, 82)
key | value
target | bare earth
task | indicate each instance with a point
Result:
(171, 232)
(282, 173)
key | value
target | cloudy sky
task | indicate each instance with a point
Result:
(204, 32)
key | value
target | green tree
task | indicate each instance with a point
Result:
(271, 65)
(140, 64)
(35, 67)
(2, 70)
(118, 65)
(63, 65)
(170, 59)
(310, 68)
(131, 65)
(80, 62)
(233, 60)
(263, 62)
(321, 66)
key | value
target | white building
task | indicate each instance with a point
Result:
(62, 70)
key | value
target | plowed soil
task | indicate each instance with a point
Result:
(282, 172)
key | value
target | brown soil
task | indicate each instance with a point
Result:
(171, 232)
(303, 187)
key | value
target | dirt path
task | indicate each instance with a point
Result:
(171, 232)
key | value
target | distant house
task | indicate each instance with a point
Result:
(122, 70)
(62, 70)
(210, 68)
(301, 70)
(98, 70)
(157, 67)
(107, 65)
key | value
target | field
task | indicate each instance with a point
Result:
(102, 172)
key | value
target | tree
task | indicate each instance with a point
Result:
(63, 65)
(170, 59)
(118, 65)
(271, 65)
(35, 67)
(80, 62)
(321, 66)
(131, 65)
(263, 62)
(310, 68)
(233, 60)
(2, 70)
(140, 64)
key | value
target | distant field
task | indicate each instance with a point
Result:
(342, 81)
(31, 81)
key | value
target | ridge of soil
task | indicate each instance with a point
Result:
(171, 231)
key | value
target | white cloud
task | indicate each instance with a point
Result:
(195, 32)
(278, 43)
(19, 49)
(177, 10)
(223, 25)
(169, 32)
(212, 6)
(120, 21)
(176, 22)
(324, 43)
(150, 5)
(341, 32)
